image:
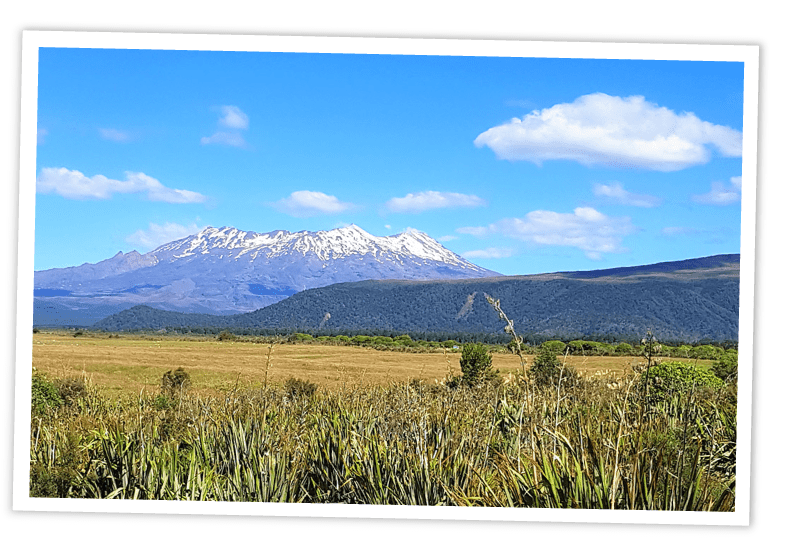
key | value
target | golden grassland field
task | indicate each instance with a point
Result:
(134, 363)
(229, 418)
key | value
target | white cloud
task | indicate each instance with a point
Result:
(447, 238)
(616, 132)
(387, 226)
(585, 228)
(489, 253)
(232, 122)
(429, 200)
(156, 234)
(304, 204)
(620, 195)
(72, 184)
(234, 139)
(234, 117)
(41, 133)
(721, 194)
(111, 134)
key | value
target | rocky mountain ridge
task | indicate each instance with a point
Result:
(227, 270)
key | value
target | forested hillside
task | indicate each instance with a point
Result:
(699, 303)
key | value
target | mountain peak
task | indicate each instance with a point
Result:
(226, 269)
(347, 241)
(350, 230)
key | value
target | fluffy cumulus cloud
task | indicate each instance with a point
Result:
(615, 132)
(304, 204)
(721, 194)
(617, 193)
(231, 123)
(110, 134)
(430, 200)
(489, 253)
(156, 235)
(585, 228)
(234, 117)
(72, 184)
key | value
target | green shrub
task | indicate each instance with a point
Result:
(556, 346)
(512, 347)
(605, 349)
(163, 403)
(476, 364)
(624, 349)
(296, 388)
(546, 366)
(706, 352)
(727, 366)
(226, 336)
(176, 381)
(678, 377)
(404, 340)
(300, 337)
(71, 390)
(382, 341)
(59, 479)
(44, 395)
(547, 369)
(584, 346)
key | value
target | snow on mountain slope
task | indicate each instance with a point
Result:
(325, 245)
(226, 270)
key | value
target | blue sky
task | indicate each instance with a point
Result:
(521, 165)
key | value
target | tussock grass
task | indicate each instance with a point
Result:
(595, 443)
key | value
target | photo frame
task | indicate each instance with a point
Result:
(34, 41)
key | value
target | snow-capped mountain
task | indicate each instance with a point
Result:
(232, 245)
(226, 270)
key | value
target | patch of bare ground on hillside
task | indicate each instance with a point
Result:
(125, 365)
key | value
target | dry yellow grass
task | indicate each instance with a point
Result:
(123, 365)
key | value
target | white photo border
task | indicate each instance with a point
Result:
(33, 40)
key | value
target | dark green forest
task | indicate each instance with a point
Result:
(681, 305)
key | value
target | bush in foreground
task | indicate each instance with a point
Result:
(175, 382)
(296, 388)
(673, 377)
(727, 366)
(44, 395)
(476, 365)
(547, 366)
